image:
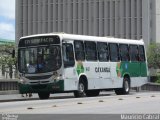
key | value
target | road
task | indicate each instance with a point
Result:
(147, 102)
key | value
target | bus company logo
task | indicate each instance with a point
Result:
(102, 69)
(9, 117)
(80, 68)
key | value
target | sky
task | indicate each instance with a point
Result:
(7, 19)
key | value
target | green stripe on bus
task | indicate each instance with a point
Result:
(134, 69)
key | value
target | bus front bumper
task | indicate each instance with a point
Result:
(51, 87)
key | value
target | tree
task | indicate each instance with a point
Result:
(153, 55)
(6, 59)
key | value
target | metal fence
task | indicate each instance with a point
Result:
(6, 85)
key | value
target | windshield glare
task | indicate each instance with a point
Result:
(39, 59)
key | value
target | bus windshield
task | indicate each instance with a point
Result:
(40, 59)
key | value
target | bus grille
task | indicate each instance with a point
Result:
(38, 77)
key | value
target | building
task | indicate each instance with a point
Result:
(131, 19)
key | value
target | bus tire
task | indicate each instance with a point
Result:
(43, 95)
(82, 88)
(92, 93)
(125, 89)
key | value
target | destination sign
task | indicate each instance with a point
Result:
(35, 41)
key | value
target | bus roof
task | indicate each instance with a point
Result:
(90, 38)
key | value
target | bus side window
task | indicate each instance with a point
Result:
(68, 55)
(79, 50)
(91, 51)
(124, 52)
(141, 53)
(103, 55)
(134, 53)
(114, 52)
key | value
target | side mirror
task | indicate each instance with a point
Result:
(13, 53)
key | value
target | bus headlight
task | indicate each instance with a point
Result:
(56, 78)
(22, 81)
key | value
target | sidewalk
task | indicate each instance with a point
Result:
(15, 96)
(10, 96)
(9, 92)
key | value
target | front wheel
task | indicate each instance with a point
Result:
(43, 95)
(126, 88)
(81, 92)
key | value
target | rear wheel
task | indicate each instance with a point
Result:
(43, 95)
(82, 87)
(92, 93)
(126, 87)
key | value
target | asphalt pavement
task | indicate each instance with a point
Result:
(137, 103)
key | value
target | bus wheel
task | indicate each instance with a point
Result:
(92, 93)
(126, 87)
(82, 87)
(43, 95)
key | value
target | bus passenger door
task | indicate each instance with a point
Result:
(69, 71)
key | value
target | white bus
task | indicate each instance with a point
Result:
(85, 65)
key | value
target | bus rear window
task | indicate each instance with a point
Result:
(141, 53)
(133, 51)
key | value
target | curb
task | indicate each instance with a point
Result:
(151, 87)
(9, 92)
(13, 100)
